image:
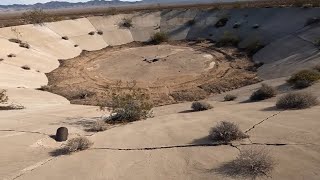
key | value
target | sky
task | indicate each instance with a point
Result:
(7, 2)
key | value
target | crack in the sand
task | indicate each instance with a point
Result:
(248, 130)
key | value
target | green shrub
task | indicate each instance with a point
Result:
(226, 132)
(250, 164)
(317, 68)
(12, 55)
(264, 92)
(230, 97)
(304, 78)
(228, 39)
(297, 100)
(317, 42)
(201, 106)
(159, 38)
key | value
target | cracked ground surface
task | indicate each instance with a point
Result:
(172, 145)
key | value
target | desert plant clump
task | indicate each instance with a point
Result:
(253, 47)
(11, 55)
(77, 144)
(76, 45)
(230, 97)
(126, 23)
(236, 25)
(297, 100)
(304, 78)
(226, 131)
(44, 88)
(65, 37)
(3, 96)
(264, 92)
(200, 106)
(317, 42)
(313, 20)
(228, 39)
(191, 22)
(250, 164)
(221, 22)
(24, 45)
(36, 16)
(111, 11)
(1, 59)
(92, 33)
(159, 38)
(98, 126)
(14, 40)
(25, 67)
(100, 32)
(256, 26)
(317, 68)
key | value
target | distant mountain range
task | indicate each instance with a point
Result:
(63, 4)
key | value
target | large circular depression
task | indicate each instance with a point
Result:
(151, 65)
(170, 73)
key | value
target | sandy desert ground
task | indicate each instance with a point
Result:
(174, 144)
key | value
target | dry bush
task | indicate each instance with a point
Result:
(131, 104)
(92, 33)
(191, 22)
(159, 38)
(76, 45)
(76, 144)
(100, 32)
(12, 55)
(36, 16)
(264, 92)
(228, 39)
(65, 37)
(24, 45)
(14, 40)
(254, 47)
(201, 106)
(3, 96)
(317, 42)
(313, 20)
(98, 126)
(222, 22)
(189, 95)
(81, 94)
(317, 68)
(126, 23)
(297, 100)
(304, 78)
(226, 132)
(44, 88)
(256, 26)
(250, 164)
(230, 97)
(111, 11)
(25, 67)
(236, 25)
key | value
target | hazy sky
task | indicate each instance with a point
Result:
(6, 2)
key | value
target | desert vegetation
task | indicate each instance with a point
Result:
(73, 145)
(201, 106)
(25, 67)
(312, 20)
(297, 100)
(100, 32)
(12, 55)
(222, 21)
(3, 96)
(36, 16)
(264, 92)
(159, 37)
(126, 23)
(91, 33)
(226, 131)
(304, 78)
(253, 47)
(14, 40)
(230, 97)
(228, 39)
(65, 37)
(98, 126)
(250, 164)
(4, 102)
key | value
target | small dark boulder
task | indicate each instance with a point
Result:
(62, 134)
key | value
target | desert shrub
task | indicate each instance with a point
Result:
(200, 106)
(250, 164)
(76, 45)
(81, 94)
(36, 16)
(228, 39)
(111, 11)
(317, 42)
(25, 67)
(129, 105)
(3, 96)
(221, 22)
(264, 92)
(236, 25)
(311, 21)
(126, 23)
(24, 45)
(230, 97)
(14, 40)
(92, 33)
(188, 95)
(100, 32)
(159, 37)
(191, 22)
(226, 132)
(77, 144)
(297, 100)
(304, 78)
(253, 47)
(12, 55)
(317, 68)
(1, 59)
(256, 26)
(98, 126)
(65, 37)
(44, 88)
